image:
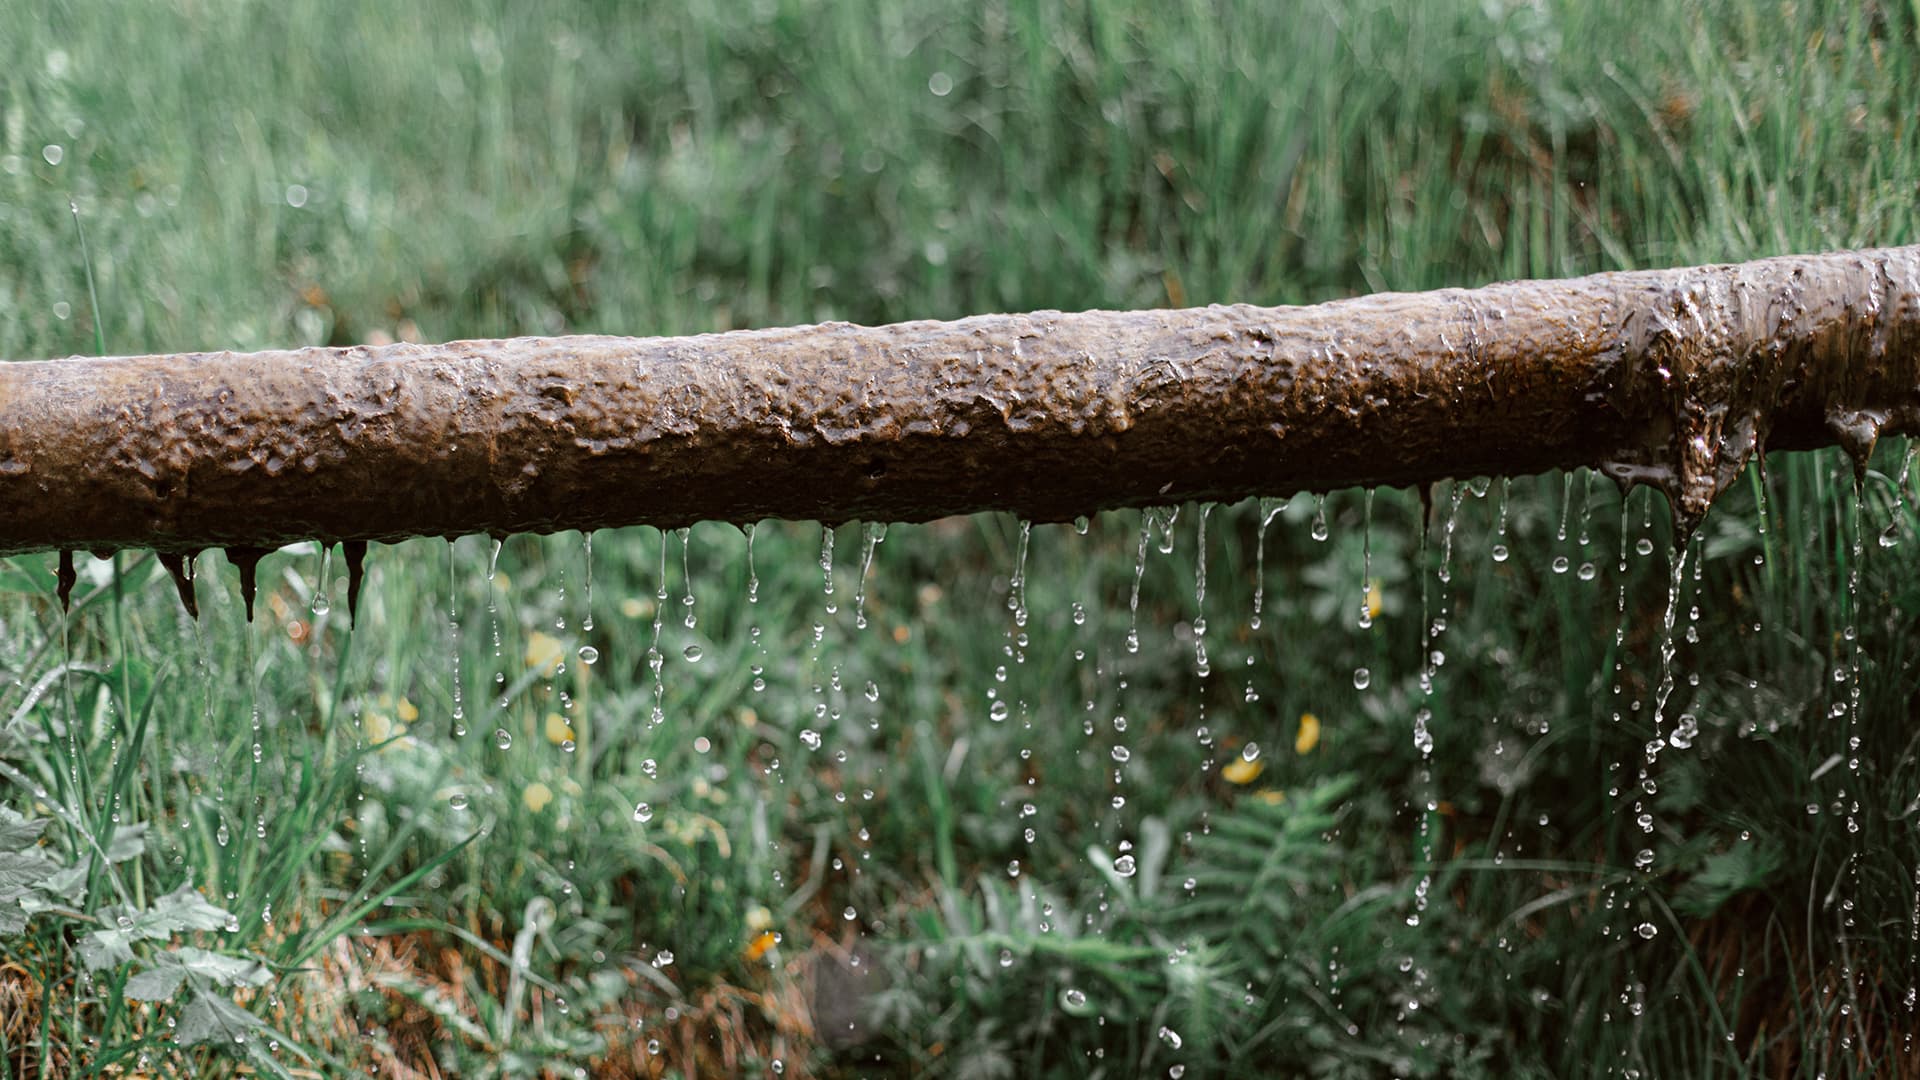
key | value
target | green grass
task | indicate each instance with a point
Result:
(252, 175)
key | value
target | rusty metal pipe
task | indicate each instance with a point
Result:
(1671, 377)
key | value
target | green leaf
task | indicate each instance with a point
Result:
(1725, 875)
(223, 969)
(182, 909)
(68, 884)
(129, 842)
(210, 1017)
(17, 833)
(157, 983)
(106, 948)
(21, 869)
(13, 916)
(169, 969)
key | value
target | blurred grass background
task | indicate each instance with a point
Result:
(755, 836)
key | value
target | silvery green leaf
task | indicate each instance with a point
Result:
(182, 909)
(158, 983)
(106, 948)
(18, 869)
(223, 969)
(13, 916)
(17, 833)
(209, 1016)
(129, 842)
(68, 885)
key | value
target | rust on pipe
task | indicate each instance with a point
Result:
(1670, 377)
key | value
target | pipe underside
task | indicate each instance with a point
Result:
(1670, 377)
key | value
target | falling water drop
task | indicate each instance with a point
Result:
(873, 534)
(826, 566)
(686, 576)
(1201, 667)
(1500, 535)
(586, 558)
(1017, 583)
(453, 634)
(1139, 572)
(1366, 563)
(1319, 528)
(753, 579)
(322, 602)
(1269, 509)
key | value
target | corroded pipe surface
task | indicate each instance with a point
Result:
(1671, 377)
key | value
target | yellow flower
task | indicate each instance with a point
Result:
(558, 730)
(537, 796)
(1309, 736)
(759, 918)
(544, 653)
(1271, 796)
(380, 727)
(1373, 599)
(634, 607)
(1243, 771)
(762, 944)
(408, 712)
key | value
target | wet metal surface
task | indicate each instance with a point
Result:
(1667, 377)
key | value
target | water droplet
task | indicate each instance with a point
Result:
(222, 835)
(1499, 553)
(997, 712)
(643, 813)
(1646, 930)
(693, 653)
(1122, 754)
(503, 738)
(1560, 564)
(811, 738)
(1250, 752)
(873, 690)
(849, 914)
(1124, 866)
(458, 800)
(589, 654)
(1362, 678)
(1644, 546)
(1171, 1038)
(54, 153)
